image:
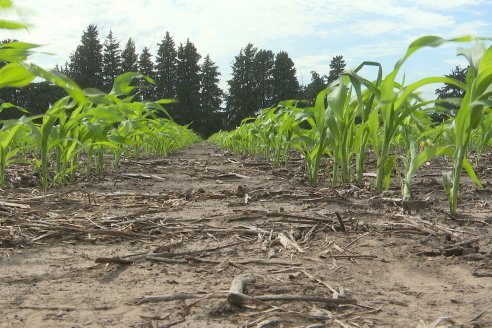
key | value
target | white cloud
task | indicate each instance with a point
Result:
(447, 4)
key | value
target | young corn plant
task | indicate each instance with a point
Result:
(393, 108)
(366, 102)
(478, 90)
(313, 142)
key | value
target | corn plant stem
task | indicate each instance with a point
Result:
(345, 160)
(458, 166)
(380, 172)
(3, 165)
(359, 165)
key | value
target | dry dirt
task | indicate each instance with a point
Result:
(94, 253)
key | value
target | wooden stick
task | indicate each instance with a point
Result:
(115, 260)
(287, 242)
(14, 205)
(143, 176)
(171, 254)
(306, 298)
(168, 298)
(236, 292)
(342, 225)
(354, 241)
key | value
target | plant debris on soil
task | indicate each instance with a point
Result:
(207, 238)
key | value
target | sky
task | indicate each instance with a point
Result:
(311, 31)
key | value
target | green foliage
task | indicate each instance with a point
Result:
(242, 99)
(260, 79)
(129, 57)
(86, 124)
(210, 117)
(188, 85)
(111, 61)
(353, 114)
(86, 63)
(146, 67)
(314, 87)
(337, 67)
(165, 68)
(285, 84)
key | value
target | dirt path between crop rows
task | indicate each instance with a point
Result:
(160, 243)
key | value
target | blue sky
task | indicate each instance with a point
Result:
(311, 31)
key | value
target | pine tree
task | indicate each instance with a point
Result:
(129, 57)
(241, 98)
(337, 67)
(452, 91)
(111, 61)
(210, 98)
(285, 84)
(263, 69)
(166, 68)
(146, 67)
(86, 66)
(316, 85)
(188, 85)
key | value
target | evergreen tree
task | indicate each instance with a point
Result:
(452, 91)
(86, 66)
(111, 61)
(146, 67)
(285, 84)
(242, 100)
(210, 98)
(129, 57)
(337, 67)
(316, 85)
(188, 86)
(166, 68)
(263, 73)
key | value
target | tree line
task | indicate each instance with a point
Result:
(260, 79)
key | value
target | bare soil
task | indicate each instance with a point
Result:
(159, 243)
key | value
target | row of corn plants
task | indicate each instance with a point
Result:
(76, 136)
(79, 130)
(356, 115)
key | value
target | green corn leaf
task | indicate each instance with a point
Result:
(319, 109)
(8, 105)
(429, 153)
(122, 84)
(373, 124)
(429, 41)
(5, 3)
(473, 55)
(410, 89)
(166, 101)
(471, 172)
(60, 80)
(5, 142)
(97, 97)
(11, 25)
(15, 75)
(16, 51)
